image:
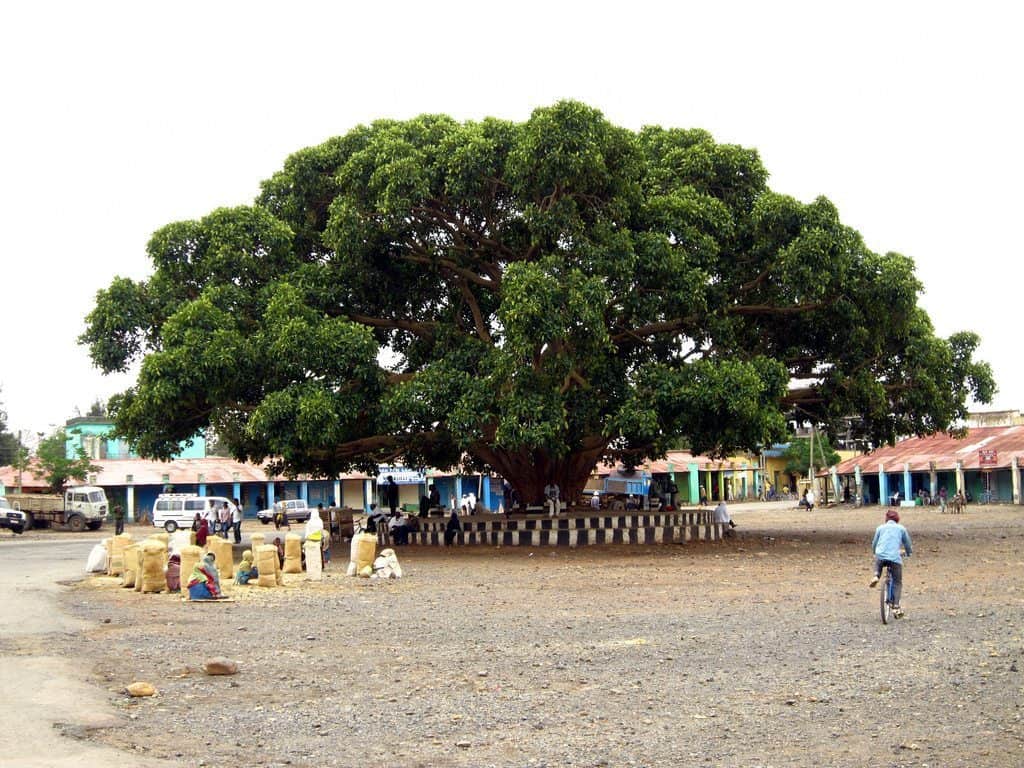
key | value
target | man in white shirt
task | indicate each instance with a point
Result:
(224, 519)
(551, 494)
(398, 528)
(236, 521)
(721, 515)
(210, 515)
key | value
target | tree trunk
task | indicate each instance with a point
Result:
(530, 471)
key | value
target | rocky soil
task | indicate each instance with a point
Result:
(763, 650)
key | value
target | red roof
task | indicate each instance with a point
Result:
(114, 472)
(30, 481)
(944, 451)
(676, 461)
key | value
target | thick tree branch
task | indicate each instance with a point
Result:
(573, 376)
(757, 281)
(637, 335)
(474, 307)
(773, 309)
(424, 329)
(418, 256)
(441, 214)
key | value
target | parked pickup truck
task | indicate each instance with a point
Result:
(295, 510)
(78, 508)
(10, 517)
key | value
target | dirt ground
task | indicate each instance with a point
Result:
(763, 650)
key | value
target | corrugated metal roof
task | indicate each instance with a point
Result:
(113, 472)
(30, 480)
(944, 451)
(676, 461)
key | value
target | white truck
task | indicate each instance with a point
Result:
(10, 517)
(79, 507)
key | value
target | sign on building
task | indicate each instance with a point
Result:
(402, 475)
(987, 458)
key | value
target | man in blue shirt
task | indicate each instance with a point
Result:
(890, 537)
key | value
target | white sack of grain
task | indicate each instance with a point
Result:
(178, 541)
(314, 563)
(386, 565)
(97, 560)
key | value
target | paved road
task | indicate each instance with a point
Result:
(41, 683)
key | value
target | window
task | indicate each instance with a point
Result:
(195, 505)
(95, 446)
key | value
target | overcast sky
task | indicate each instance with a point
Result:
(119, 118)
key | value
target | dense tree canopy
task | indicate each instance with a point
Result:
(10, 447)
(799, 459)
(57, 467)
(530, 297)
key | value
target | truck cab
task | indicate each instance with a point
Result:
(90, 501)
(10, 517)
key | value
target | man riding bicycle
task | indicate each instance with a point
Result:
(890, 536)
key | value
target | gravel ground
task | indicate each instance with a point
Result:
(763, 650)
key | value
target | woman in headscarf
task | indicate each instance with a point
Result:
(203, 532)
(314, 527)
(246, 570)
(315, 532)
(174, 573)
(195, 529)
(204, 583)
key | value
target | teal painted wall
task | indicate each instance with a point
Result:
(85, 434)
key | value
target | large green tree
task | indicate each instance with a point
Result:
(10, 445)
(57, 467)
(528, 297)
(799, 459)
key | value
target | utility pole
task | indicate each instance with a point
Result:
(810, 461)
(824, 464)
(20, 462)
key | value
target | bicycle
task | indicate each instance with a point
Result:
(887, 595)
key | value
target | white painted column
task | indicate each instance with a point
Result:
(960, 477)
(337, 493)
(130, 512)
(1015, 479)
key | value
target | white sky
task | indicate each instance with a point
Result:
(120, 117)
